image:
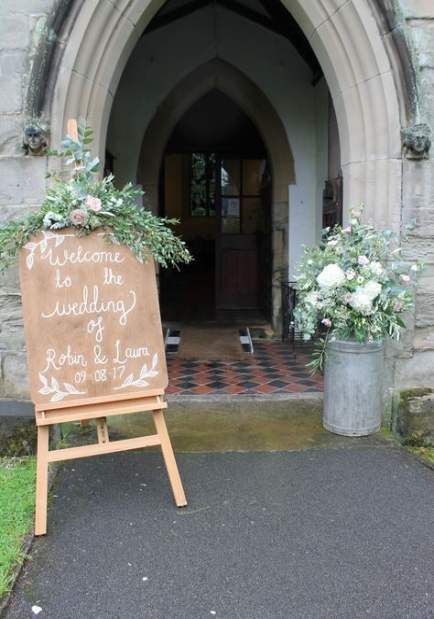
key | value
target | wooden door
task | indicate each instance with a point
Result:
(242, 226)
(237, 281)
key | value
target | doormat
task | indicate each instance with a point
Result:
(209, 343)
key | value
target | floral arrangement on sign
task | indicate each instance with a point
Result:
(87, 202)
(354, 286)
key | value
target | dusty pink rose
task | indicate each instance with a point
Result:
(78, 217)
(326, 322)
(93, 204)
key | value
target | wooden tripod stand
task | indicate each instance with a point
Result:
(86, 411)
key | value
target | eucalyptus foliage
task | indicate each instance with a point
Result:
(86, 202)
(353, 286)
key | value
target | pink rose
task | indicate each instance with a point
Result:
(78, 217)
(93, 204)
(326, 322)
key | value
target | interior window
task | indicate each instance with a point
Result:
(202, 184)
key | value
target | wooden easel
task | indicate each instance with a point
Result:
(87, 411)
(107, 400)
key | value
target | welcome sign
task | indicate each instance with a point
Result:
(94, 345)
(91, 319)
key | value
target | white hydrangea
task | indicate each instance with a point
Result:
(371, 289)
(332, 276)
(361, 302)
(376, 268)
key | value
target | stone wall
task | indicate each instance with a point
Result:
(23, 25)
(22, 178)
(415, 367)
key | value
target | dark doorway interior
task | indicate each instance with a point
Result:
(216, 180)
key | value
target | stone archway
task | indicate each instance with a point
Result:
(222, 76)
(344, 35)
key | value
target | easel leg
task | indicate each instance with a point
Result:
(169, 459)
(42, 480)
(102, 430)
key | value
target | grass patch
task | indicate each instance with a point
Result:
(426, 453)
(17, 498)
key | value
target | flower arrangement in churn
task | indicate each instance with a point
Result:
(354, 286)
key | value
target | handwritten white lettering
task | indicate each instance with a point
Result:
(69, 358)
(122, 356)
(80, 257)
(94, 306)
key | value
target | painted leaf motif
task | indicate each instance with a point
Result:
(45, 390)
(54, 384)
(57, 397)
(154, 361)
(43, 379)
(70, 388)
(151, 374)
(141, 383)
(43, 245)
(59, 240)
(29, 261)
(143, 371)
(129, 379)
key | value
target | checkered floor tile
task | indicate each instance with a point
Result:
(273, 368)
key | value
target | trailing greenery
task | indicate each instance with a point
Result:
(353, 286)
(426, 453)
(17, 498)
(87, 202)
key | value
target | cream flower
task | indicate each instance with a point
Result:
(361, 302)
(332, 276)
(376, 268)
(363, 261)
(93, 204)
(78, 217)
(312, 298)
(371, 289)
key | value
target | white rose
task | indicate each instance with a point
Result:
(371, 289)
(361, 302)
(332, 243)
(405, 278)
(350, 274)
(311, 298)
(331, 276)
(376, 268)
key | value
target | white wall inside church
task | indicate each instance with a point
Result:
(164, 57)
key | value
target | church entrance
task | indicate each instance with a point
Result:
(216, 180)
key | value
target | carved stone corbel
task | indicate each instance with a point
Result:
(35, 139)
(416, 141)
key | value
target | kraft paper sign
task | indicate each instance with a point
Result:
(91, 318)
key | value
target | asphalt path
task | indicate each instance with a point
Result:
(345, 532)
